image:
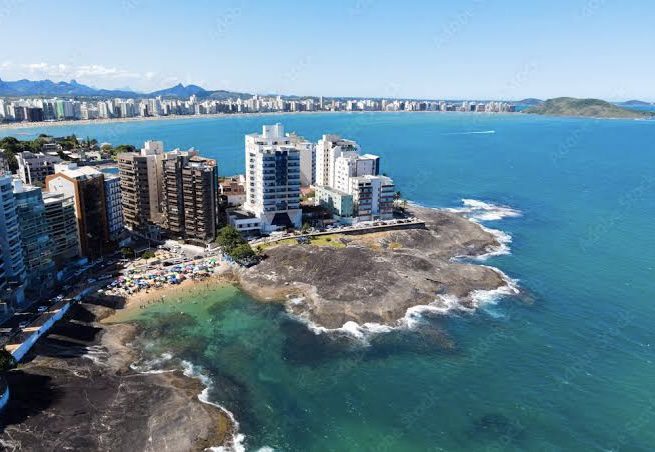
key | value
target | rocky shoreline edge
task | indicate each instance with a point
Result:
(381, 280)
(76, 390)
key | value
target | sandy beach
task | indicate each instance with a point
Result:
(157, 295)
(83, 122)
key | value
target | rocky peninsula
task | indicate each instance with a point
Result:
(377, 277)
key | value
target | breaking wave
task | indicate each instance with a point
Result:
(415, 316)
(480, 211)
(237, 442)
(166, 363)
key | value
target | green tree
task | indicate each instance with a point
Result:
(229, 238)
(127, 252)
(149, 254)
(242, 252)
(7, 361)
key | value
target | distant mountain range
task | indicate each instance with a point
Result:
(593, 108)
(27, 88)
(635, 103)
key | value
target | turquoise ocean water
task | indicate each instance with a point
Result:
(568, 365)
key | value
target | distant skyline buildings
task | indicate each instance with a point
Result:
(505, 49)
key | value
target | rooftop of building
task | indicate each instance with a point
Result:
(241, 214)
(51, 197)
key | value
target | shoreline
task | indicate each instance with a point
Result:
(85, 122)
(84, 367)
(113, 350)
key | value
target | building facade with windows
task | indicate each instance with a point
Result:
(273, 179)
(12, 275)
(190, 201)
(34, 168)
(62, 227)
(86, 186)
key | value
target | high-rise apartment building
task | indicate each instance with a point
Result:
(328, 149)
(113, 206)
(342, 174)
(35, 240)
(86, 186)
(12, 276)
(141, 186)
(62, 226)
(273, 179)
(307, 151)
(190, 205)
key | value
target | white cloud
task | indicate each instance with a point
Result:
(92, 74)
(95, 74)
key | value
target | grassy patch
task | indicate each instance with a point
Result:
(328, 240)
(394, 245)
(332, 240)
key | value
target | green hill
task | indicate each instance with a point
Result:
(593, 108)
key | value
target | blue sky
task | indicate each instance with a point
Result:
(477, 49)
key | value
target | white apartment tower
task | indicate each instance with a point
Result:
(307, 151)
(12, 265)
(273, 179)
(328, 149)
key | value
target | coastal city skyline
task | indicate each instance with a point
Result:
(438, 54)
(357, 225)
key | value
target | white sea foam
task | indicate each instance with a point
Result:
(360, 332)
(478, 211)
(237, 442)
(153, 366)
(96, 353)
(416, 316)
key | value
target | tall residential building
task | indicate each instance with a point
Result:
(307, 151)
(11, 253)
(86, 186)
(113, 206)
(348, 165)
(141, 186)
(342, 174)
(36, 242)
(273, 179)
(190, 203)
(62, 226)
(328, 148)
(34, 168)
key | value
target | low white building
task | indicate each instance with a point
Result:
(372, 197)
(244, 221)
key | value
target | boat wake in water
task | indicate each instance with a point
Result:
(478, 132)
